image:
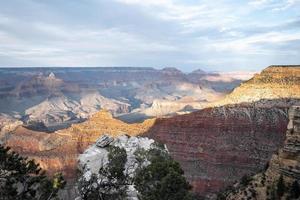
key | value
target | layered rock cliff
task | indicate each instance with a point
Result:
(281, 178)
(217, 146)
(273, 83)
(58, 151)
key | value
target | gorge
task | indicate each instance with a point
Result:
(215, 145)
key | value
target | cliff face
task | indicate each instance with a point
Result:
(284, 165)
(217, 146)
(58, 151)
(273, 83)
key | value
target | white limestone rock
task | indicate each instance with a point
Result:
(96, 156)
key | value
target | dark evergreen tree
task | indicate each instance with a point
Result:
(23, 179)
(110, 183)
(162, 179)
(280, 187)
(295, 190)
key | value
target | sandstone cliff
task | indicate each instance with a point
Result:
(273, 83)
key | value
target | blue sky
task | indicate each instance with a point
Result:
(222, 35)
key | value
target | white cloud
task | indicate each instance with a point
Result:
(254, 44)
(274, 5)
(146, 32)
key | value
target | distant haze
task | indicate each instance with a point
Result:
(224, 35)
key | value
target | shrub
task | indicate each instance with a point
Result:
(21, 178)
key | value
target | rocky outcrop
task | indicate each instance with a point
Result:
(273, 83)
(8, 124)
(217, 146)
(96, 157)
(58, 151)
(284, 165)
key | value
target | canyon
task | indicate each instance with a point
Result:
(49, 99)
(215, 145)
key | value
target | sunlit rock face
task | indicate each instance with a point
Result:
(58, 151)
(218, 145)
(281, 83)
(49, 99)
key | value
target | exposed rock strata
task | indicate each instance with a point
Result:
(217, 146)
(285, 164)
(273, 83)
(58, 151)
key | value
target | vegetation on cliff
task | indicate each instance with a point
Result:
(162, 179)
(144, 174)
(23, 179)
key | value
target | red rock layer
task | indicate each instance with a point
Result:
(57, 152)
(217, 146)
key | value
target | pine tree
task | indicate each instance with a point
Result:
(295, 190)
(23, 179)
(111, 182)
(162, 179)
(280, 186)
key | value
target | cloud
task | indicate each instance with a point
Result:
(186, 34)
(274, 5)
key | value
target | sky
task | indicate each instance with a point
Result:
(220, 35)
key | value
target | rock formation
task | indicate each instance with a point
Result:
(284, 165)
(217, 146)
(57, 112)
(273, 83)
(58, 151)
(49, 99)
(96, 156)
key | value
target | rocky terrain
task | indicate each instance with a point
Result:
(96, 156)
(49, 99)
(215, 146)
(58, 151)
(283, 165)
(273, 83)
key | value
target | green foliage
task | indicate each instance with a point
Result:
(110, 183)
(222, 195)
(280, 187)
(23, 179)
(245, 180)
(161, 179)
(295, 190)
